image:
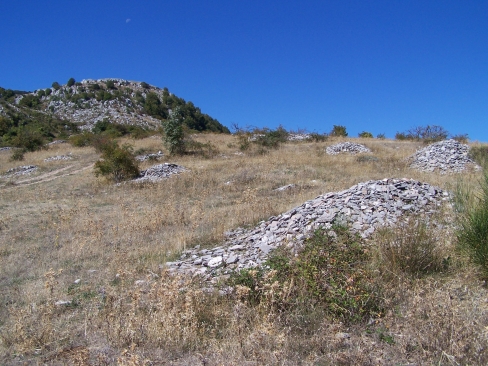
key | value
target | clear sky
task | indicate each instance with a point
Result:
(377, 66)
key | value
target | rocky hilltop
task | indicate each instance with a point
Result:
(115, 100)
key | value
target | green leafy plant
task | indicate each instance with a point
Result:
(71, 82)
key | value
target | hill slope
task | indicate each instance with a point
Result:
(84, 103)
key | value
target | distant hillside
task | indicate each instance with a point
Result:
(79, 105)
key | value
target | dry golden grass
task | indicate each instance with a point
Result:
(62, 224)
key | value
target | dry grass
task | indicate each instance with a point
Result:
(62, 224)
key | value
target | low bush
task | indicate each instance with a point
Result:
(365, 134)
(317, 137)
(118, 162)
(330, 274)
(338, 131)
(83, 139)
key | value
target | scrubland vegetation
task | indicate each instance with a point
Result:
(82, 280)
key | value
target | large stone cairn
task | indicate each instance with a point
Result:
(364, 207)
(159, 172)
(346, 147)
(448, 156)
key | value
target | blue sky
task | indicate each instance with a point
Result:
(379, 66)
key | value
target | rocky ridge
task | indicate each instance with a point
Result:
(346, 147)
(448, 156)
(364, 207)
(159, 172)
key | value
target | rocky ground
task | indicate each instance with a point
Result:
(364, 207)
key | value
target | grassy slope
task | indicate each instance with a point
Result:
(62, 224)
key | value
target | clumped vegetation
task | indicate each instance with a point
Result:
(365, 134)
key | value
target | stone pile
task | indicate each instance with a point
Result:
(448, 156)
(364, 207)
(298, 136)
(55, 142)
(145, 157)
(7, 148)
(59, 157)
(159, 172)
(21, 170)
(347, 147)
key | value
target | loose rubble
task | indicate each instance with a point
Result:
(347, 147)
(364, 207)
(145, 157)
(448, 156)
(59, 157)
(55, 142)
(159, 172)
(21, 170)
(6, 148)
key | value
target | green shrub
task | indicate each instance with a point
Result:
(118, 162)
(110, 84)
(71, 82)
(271, 138)
(365, 134)
(472, 234)
(55, 85)
(317, 137)
(83, 139)
(330, 273)
(145, 85)
(338, 131)
(17, 155)
(381, 136)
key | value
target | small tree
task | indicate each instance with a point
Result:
(338, 131)
(174, 134)
(71, 82)
(110, 84)
(118, 162)
(56, 85)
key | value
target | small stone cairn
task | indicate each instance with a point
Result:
(364, 207)
(145, 157)
(159, 172)
(346, 147)
(21, 170)
(58, 157)
(448, 156)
